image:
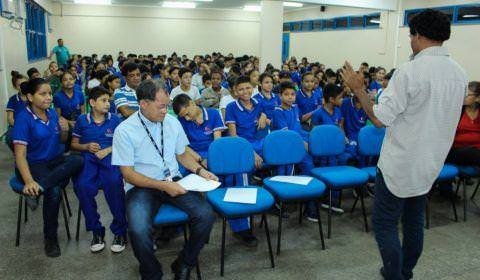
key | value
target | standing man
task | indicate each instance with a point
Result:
(148, 146)
(62, 53)
(421, 108)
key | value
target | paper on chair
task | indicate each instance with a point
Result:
(298, 180)
(241, 195)
(196, 183)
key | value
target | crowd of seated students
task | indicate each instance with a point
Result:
(212, 96)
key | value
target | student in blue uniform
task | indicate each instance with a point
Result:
(39, 163)
(265, 95)
(93, 135)
(69, 102)
(16, 104)
(173, 79)
(354, 119)
(308, 100)
(376, 84)
(112, 83)
(294, 74)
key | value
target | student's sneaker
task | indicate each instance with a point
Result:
(335, 209)
(247, 238)
(97, 244)
(312, 217)
(32, 201)
(52, 250)
(118, 243)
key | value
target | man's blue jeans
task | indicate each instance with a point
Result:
(143, 204)
(398, 259)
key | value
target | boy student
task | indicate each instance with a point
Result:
(211, 96)
(308, 100)
(185, 87)
(125, 97)
(93, 135)
(173, 79)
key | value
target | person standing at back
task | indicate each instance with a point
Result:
(421, 108)
(62, 53)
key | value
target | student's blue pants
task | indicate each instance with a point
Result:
(398, 259)
(101, 174)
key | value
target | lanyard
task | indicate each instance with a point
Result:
(152, 140)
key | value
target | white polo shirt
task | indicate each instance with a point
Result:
(421, 108)
(193, 92)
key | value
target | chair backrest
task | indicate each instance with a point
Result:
(15, 184)
(326, 140)
(283, 147)
(230, 155)
(370, 140)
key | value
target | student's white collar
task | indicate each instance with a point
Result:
(240, 106)
(89, 117)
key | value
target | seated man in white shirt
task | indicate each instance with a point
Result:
(185, 86)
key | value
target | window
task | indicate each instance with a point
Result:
(467, 14)
(329, 24)
(357, 21)
(306, 25)
(35, 31)
(296, 26)
(372, 20)
(341, 22)
(286, 27)
(317, 25)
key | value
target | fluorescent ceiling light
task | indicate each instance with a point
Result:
(93, 2)
(203, 0)
(252, 8)
(179, 5)
(470, 16)
(377, 21)
(292, 4)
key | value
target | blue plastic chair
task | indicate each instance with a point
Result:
(228, 156)
(328, 141)
(466, 173)
(17, 187)
(169, 215)
(285, 148)
(447, 174)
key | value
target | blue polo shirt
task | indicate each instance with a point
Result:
(355, 118)
(268, 104)
(200, 136)
(321, 116)
(374, 85)
(41, 138)
(88, 131)
(70, 107)
(16, 104)
(288, 119)
(169, 85)
(308, 104)
(125, 96)
(246, 121)
(296, 77)
(62, 54)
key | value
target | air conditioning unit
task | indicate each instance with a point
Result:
(20, 10)
(8, 9)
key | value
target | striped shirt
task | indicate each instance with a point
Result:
(420, 108)
(125, 96)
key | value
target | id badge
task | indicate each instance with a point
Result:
(168, 175)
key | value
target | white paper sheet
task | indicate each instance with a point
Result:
(241, 195)
(298, 180)
(196, 183)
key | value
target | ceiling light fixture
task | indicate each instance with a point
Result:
(179, 5)
(292, 4)
(252, 8)
(377, 21)
(470, 16)
(93, 2)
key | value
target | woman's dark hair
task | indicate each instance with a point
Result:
(207, 77)
(431, 24)
(474, 87)
(331, 90)
(329, 73)
(32, 71)
(286, 85)
(179, 102)
(147, 90)
(97, 91)
(32, 85)
(100, 74)
(109, 79)
(263, 76)
(16, 76)
(145, 75)
(170, 71)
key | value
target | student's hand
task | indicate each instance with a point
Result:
(31, 188)
(71, 124)
(262, 122)
(174, 189)
(353, 80)
(102, 153)
(207, 175)
(63, 124)
(93, 147)
(204, 163)
(258, 161)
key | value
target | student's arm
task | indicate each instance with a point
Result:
(307, 116)
(232, 129)
(217, 134)
(82, 108)
(223, 112)
(10, 118)
(65, 127)
(59, 111)
(92, 147)
(125, 111)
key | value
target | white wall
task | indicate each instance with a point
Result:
(109, 29)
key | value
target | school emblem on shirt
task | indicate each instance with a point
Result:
(207, 130)
(109, 132)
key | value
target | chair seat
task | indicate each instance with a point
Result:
(468, 171)
(288, 191)
(447, 173)
(265, 201)
(15, 184)
(371, 171)
(169, 214)
(338, 177)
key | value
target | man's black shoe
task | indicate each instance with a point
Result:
(247, 238)
(52, 249)
(181, 270)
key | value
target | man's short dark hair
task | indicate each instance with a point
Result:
(331, 90)
(286, 85)
(242, 80)
(147, 90)
(59, 39)
(129, 67)
(183, 71)
(431, 24)
(179, 102)
(96, 92)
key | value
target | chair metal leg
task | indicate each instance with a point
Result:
(222, 250)
(252, 222)
(261, 223)
(185, 236)
(300, 213)
(354, 204)
(19, 219)
(465, 200)
(329, 229)
(67, 202)
(475, 191)
(267, 233)
(454, 207)
(199, 274)
(279, 230)
(79, 218)
(427, 210)
(363, 209)
(65, 218)
(320, 229)
(340, 198)
(26, 212)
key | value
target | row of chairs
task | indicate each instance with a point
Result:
(234, 155)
